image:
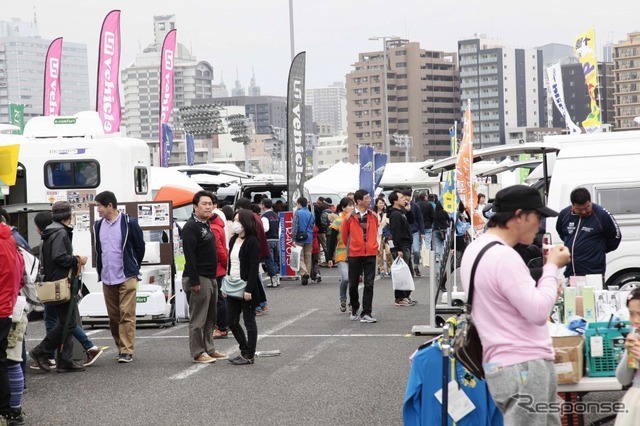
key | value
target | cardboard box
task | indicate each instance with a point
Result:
(569, 358)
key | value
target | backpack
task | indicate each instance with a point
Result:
(30, 277)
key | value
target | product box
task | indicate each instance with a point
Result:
(589, 304)
(569, 358)
(569, 303)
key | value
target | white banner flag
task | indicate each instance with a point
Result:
(554, 72)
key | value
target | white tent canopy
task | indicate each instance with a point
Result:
(337, 181)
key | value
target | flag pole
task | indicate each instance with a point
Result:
(454, 151)
(473, 233)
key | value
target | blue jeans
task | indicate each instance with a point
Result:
(415, 247)
(439, 244)
(273, 262)
(427, 238)
(343, 267)
(51, 319)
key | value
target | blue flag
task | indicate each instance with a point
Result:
(167, 144)
(365, 155)
(191, 150)
(379, 163)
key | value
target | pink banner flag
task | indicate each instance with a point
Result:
(108, 92)
(166, 91)
(51, 98)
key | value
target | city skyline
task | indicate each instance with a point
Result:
(254, 35)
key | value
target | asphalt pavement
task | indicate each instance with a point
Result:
(331, 370)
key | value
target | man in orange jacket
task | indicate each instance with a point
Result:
(359, 232)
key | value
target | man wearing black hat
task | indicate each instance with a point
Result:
(510, 310)
(58, 262)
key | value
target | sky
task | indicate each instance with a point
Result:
(241, 35)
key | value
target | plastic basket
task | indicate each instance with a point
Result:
(612, 345)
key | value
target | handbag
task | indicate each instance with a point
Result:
(54, 292)
(233, 287)
(466, 343)
(302, 235)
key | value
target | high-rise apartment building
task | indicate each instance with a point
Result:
(22, 57)
(329, 107)
(422, 100)
(505, 87)
(141, 85)
(626, 60)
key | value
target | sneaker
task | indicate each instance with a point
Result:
(411, 300)
(41, 359)
(51, 362)
(368, 318)
(402, 302)
(354, 316)
(417, 271)
(270, 282)
(69, 367)
(218, 355)
(276, 280)
(219, 334)
(92, 355)
(235, 358)
(243, 361)
(318, 279)
(15, 417)
(265, 309)
(204, 358)
(305, 279)
(343, 306)
(125, 358)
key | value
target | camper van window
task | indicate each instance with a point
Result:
(141, 178)
(620, 201)
(72, 174)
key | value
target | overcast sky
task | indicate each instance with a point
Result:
(241, 34)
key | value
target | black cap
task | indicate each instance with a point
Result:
(329, 201)
(522, 197)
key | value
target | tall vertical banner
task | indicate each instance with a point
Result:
(585, 48)
(16, 117)
(286, 244)
(166, 91)
(52, 92)
(379, 164)
(191, 149)
(167, 141)
(296, 163)
(449, 196)
(108, 92)
(365, 158)
(554, 73)
(464, 178)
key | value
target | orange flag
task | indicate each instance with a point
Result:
(464, 181)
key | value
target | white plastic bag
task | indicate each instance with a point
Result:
(424, 254)
(401, 276)
(294, 260)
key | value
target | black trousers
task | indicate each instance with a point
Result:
(406, 256)
(247, 343)
(358, 265)
(52, 340)
(5, 389)
(221, 313)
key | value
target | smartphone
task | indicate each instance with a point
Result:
(546, 246)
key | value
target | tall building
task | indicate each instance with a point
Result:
(626, 60)
(576, 96)
(422, 100)
(254, 89)
(237, 89)
(329, 107)
(505, 86)
(141, 86)
(22, 57)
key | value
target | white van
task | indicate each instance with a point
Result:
(608, 165)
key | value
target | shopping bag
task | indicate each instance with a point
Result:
(294, 259)
(401, 276)
(424, 254)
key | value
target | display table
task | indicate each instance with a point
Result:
(584, 386)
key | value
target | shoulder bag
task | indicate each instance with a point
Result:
(466, 343)
(233, 287)
(302, 235)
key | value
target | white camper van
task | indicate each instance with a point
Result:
(71, 159)
(607, 164)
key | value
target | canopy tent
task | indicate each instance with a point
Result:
(337, 181)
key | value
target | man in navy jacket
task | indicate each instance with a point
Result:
(119, 252)
(589, 231)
